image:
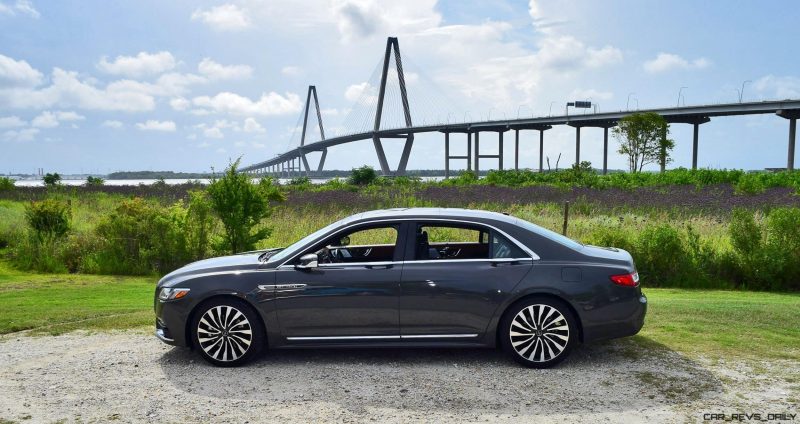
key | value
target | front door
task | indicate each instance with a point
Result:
(456, 279)
(353, 292)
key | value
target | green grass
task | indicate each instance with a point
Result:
(725, 323)
(717, 324)
(58, 303)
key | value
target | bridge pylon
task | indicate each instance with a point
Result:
(312, 91)
(392, 45)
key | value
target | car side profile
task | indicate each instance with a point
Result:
(417, 277)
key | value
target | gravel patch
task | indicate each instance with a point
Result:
(132, 377)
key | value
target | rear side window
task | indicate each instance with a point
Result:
(435, 241)
(505, 248)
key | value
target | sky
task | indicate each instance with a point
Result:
(98, 86)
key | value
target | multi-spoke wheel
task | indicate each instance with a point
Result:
(538, 333)
(227, 332)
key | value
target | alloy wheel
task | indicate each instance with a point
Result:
(224, 333)
(539, 333)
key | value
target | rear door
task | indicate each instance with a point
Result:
(354, 297)
(454, 277)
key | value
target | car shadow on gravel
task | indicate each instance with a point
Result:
(619, 375)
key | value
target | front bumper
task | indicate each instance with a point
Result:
(171, 318)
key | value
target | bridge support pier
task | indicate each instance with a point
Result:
(605, 150)
(448, 157)
(577, 146)
(792, 115)
(541, 150)
(516, 150)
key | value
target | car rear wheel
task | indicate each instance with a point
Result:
(539, 332)
(227, 332)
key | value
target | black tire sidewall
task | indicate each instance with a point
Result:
(513, 310)
(259, 335)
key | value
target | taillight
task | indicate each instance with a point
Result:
(628, 280)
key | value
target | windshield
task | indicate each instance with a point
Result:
(552, 235)
(285, 253)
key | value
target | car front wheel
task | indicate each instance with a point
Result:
(227, 332)
(539, 332)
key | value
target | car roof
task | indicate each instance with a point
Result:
(471, 214)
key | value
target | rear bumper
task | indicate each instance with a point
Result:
(630, 325)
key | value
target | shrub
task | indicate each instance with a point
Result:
(662, 256)
(364, 175)
(241, 205)
(768, 254)
(200, 225)
(53, 179)
(48, 219)
(94, 181)
(744, 232)
(6, 184)
(141, 237)
(750, 184)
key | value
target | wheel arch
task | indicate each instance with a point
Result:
(195, 310)
(540, 295)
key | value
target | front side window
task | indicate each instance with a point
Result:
(363, 244)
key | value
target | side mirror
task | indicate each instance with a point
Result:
(308, 261)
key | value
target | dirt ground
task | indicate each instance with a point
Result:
(132, 377)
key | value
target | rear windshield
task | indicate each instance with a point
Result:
(552, 235)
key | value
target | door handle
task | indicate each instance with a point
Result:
(382, 266)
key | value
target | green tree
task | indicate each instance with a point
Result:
(49, 219)
(644, 138)
(51, 179)
(94, 181)
(363, 176)
(6, 184)
(241, 205)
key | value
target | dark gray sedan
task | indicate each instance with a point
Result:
(418, 277)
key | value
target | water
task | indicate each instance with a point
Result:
(172, 181)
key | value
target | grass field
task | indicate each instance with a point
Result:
(717, 324)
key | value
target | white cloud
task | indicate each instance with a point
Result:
(784, 87)
(153, 125)
(67, 90)
(20, 6)
(668, 62)
(213, 132)
(226, 17)
(216, 71)
(48, 119)
(180, 103)
(140, 65)
(252, 126)
(18, 73)
(291, 71)
(11, 122)
(269, 104)
(113, 124)
(592, 94)
(27, 134)
(363, 92)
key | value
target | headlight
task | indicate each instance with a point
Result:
(168, 293)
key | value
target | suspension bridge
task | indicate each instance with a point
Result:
(371, 119)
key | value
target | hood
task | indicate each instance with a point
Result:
(609, 253)
(243, 261)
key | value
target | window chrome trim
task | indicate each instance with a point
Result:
(533, 255)
(396, 337)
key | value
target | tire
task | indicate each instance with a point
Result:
(227, 332)
(533, 332)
